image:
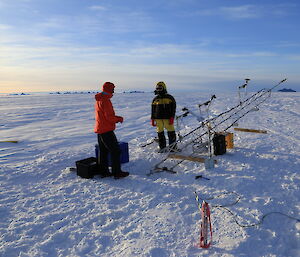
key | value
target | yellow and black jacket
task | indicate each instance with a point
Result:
(163, 107)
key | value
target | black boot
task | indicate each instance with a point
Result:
(161, 140)
(121, 174)
(172, 141)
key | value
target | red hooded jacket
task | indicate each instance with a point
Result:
(104, 113)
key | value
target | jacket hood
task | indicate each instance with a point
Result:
(161, 84)
(158, 90)
(108, 87)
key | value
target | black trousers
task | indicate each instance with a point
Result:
(108, 143)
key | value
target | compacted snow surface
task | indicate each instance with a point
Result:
(47, 210)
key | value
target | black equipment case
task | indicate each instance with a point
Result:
(219, 143)
(87, 168)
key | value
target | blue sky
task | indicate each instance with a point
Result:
(53, 45)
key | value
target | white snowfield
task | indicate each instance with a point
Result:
(47, 210)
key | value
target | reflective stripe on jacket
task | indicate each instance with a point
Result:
(163, 107)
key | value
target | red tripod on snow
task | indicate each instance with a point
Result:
(205, 228)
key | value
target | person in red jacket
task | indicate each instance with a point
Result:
(104, 127)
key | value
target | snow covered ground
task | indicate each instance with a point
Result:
(47, 210)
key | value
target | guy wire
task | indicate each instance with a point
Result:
(234, 215)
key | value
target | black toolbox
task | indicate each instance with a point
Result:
(87, 168)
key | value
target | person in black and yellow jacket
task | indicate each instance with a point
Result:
(163, 111)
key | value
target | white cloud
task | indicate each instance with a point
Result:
(160, 50)
(233, 12)
(139, 53)
(247, 11)
(97, 8)
(5, 27)
(294, 57)
(53, 22)
(241, 12)
(250, 54)
(288, 44)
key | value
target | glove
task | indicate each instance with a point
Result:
(171, 121)
(120, 119)
(153, 123)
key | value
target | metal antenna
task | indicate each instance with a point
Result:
(207, 104)
(244, 86)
